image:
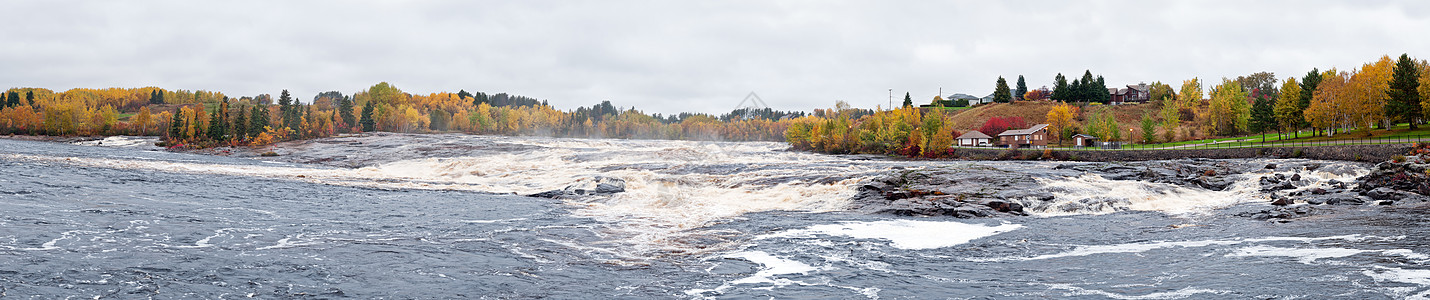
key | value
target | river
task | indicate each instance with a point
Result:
(444, 216)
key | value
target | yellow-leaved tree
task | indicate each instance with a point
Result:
(1061, 118)
(1366, 95)
(1327, 110)
(1228, 111)
(143, 120)
(1191, 94)
(1424, 88)
(1287, 109)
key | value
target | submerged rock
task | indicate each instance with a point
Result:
(593, 186)
(1281, 214)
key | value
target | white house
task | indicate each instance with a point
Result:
(974, 139)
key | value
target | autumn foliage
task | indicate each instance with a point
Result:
(207, 119)
(907, 131)
(997, 125)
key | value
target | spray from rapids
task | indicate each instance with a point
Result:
(672, 187)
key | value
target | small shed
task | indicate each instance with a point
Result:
(974, 138)
(1084, 140)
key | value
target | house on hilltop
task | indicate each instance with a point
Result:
(1034, 137)
(1138, 93)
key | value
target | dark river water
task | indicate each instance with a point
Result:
(438, 216)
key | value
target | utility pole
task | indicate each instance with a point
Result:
(891, 99)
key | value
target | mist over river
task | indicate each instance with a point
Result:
(449, 216)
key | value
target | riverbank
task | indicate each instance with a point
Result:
(1361, 153)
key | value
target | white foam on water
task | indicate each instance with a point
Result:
(1089, 250)
(288, 242)
(771, 266)
(1114, 249)
(1310, 255)
(1414, 276)
(119, 141)
(492, 221)
(904, 234)
(1138, 195)
(1077, 191)
(1420, 277)
(52, 244)
(1183, 293)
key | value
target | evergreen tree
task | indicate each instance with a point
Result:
(14, 98)
(218, 123)
(367, 122)
(1022, 89)
(1060, 88)
(30, 97)
(1263, 118)
(176, 128)
(908, 101)
(1088, 91)
(4, 100)
(1001, 93)
(285, 110)
(463, 94)
(257, 120)
(1075, 91)
(1102, 94)
(1308, 89)
(240, 124)
(437, 120)
(1404, 98)
(345, 110)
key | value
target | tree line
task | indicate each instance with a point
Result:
(206, 119)
(1379, 94)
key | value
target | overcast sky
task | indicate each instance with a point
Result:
(672, 56)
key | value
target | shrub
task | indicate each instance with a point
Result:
(1397, 158)
(1296, 154)
(269, 153)
(996, 125)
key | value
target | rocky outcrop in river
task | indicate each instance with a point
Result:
(973, 191)
(964, 192)
(590, 186)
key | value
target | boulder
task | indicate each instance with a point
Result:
(1384, 193)
(592, 186)
(1281, 214)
